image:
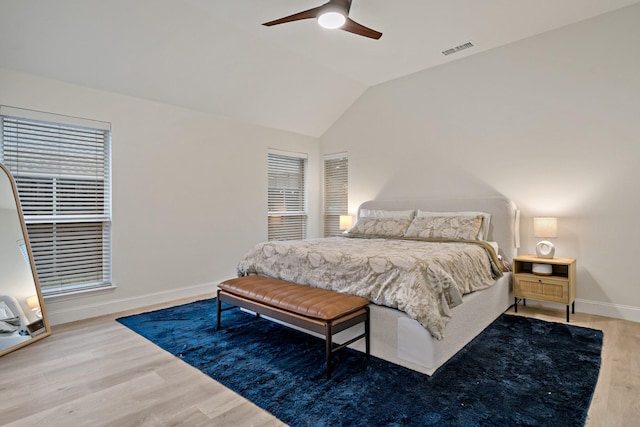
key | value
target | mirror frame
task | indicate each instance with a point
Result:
(34, 273)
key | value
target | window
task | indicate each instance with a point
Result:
(336, 193)
(62, 170)
(287, 202)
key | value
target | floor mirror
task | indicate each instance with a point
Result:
(23, 317)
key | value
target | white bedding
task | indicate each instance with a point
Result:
(398, 338)
(424, 279)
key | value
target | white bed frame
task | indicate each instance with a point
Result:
(397, 338)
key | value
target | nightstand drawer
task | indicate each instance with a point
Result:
(543, 288)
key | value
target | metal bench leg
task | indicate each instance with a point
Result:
(329, 345)
(367, 331)
(219, 309)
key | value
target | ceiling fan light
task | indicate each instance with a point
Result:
(331, 20)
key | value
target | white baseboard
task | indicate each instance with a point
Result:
(60, 315)
(617, 311)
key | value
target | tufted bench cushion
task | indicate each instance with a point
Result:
(318, 310)
(306, 301)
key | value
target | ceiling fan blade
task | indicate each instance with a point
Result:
(355, 28)
(307, 14)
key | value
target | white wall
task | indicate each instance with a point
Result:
(552, 122)
(189, 192)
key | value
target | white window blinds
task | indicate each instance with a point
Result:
(336, 193)
(287, 218)
(62, 170)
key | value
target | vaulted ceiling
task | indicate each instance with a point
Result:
(214, 56)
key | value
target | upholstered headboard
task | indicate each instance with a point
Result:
(505, 217)
(15, 308)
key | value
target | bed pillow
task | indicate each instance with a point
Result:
(380, 227)
(445, 227)
(5, 311)
(381, 213)
(484, 228)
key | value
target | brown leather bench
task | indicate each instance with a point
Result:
(318, 310)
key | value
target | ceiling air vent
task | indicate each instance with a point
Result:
(456, 49)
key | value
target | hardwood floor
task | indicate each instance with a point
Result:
(99, 373)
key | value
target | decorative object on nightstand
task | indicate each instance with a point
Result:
(559, 286)
(545, 227)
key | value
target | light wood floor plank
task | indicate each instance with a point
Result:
(99, 373)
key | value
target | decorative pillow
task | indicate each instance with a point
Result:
(486, 219)
(445, 227)
(506, 265)
(381, 213)
(380, 227)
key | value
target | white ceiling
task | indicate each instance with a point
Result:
(214, 56)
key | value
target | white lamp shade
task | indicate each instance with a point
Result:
(545, 227)
(33, 303)
(331, 19)
(346, 221)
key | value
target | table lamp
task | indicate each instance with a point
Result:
(34, 304)
(346, 221)
(545, 227)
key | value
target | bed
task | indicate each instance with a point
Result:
(433, 288)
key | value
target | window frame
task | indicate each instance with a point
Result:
(288, 222)
(67, 210)
(335, 200)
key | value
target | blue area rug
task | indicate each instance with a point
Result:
(517, 372)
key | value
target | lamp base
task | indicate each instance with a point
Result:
(545, 249)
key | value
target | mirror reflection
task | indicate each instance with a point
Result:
(22, 315)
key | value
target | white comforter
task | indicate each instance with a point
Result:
(423, 279)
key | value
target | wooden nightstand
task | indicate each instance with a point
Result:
(559, 286)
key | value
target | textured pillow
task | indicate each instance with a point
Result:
(445, 227)
(380, 227)
(381, 213)
(486, 219)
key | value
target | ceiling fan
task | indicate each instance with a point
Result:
(334, 15)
